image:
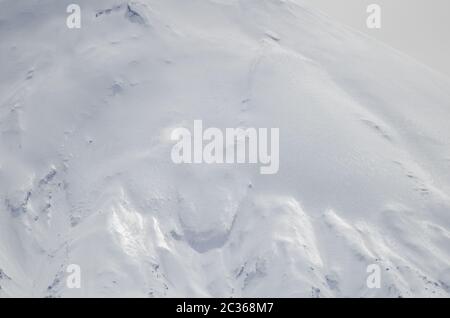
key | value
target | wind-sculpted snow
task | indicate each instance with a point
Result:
(86, 176)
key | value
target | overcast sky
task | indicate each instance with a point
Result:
(420, 28)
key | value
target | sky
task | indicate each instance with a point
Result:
(419, 28)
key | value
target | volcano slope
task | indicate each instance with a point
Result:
(86, 176)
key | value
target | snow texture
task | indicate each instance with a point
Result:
(86, 176)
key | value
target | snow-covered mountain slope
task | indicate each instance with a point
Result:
(86, 176)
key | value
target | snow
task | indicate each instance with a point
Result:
(86, 176)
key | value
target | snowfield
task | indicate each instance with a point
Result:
(86, 175)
